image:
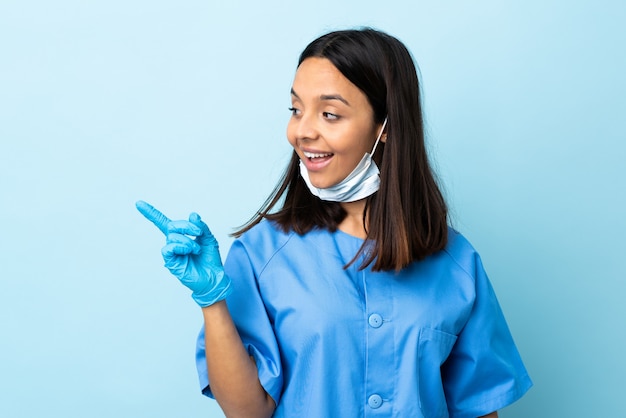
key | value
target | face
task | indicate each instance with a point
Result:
(332, 124)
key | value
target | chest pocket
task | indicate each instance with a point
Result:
(433, 349)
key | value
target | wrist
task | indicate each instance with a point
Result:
(216, 293)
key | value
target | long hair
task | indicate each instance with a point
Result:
(406, 220)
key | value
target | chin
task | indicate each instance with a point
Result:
(322, 185)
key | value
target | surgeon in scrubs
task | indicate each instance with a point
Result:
(348, 294)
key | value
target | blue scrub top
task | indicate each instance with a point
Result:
(428, 341)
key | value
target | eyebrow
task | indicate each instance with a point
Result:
(325, 97)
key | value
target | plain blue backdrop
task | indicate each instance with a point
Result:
(184, 104)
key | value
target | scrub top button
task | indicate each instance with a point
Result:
(375, 401)
(375, 320)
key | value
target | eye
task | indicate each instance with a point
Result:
(330, 116)
(294, 111)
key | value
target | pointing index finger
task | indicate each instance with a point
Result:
(153, 215)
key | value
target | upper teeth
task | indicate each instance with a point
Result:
(316, 155)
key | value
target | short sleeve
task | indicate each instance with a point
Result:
(253, 324)
(484, 371)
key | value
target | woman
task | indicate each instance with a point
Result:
(348, 294)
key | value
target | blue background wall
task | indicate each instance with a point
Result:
(184, 104)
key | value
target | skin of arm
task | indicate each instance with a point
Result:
(232, 373)
(492, 415)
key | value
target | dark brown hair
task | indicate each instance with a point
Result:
(408, 214)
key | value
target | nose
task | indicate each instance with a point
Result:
(305, 127)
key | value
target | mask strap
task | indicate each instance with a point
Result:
(382, 129)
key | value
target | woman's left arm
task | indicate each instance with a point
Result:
(492, 415)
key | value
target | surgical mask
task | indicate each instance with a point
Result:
(362, 182)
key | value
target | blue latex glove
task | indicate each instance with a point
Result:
(195, 261)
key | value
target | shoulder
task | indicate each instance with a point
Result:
(457, 243)
(261, 242)
(461, 252)
(265, 235)
(267, 243)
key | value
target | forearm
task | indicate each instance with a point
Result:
(492, 415)
(232, 373)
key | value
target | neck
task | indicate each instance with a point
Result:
(353, 222)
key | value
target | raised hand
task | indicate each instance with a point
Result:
(191, 253)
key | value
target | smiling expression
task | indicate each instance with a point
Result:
(332, 124)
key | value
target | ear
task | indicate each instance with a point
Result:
(383, 126)
(383, 134)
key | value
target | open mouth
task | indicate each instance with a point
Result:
(313, 155)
